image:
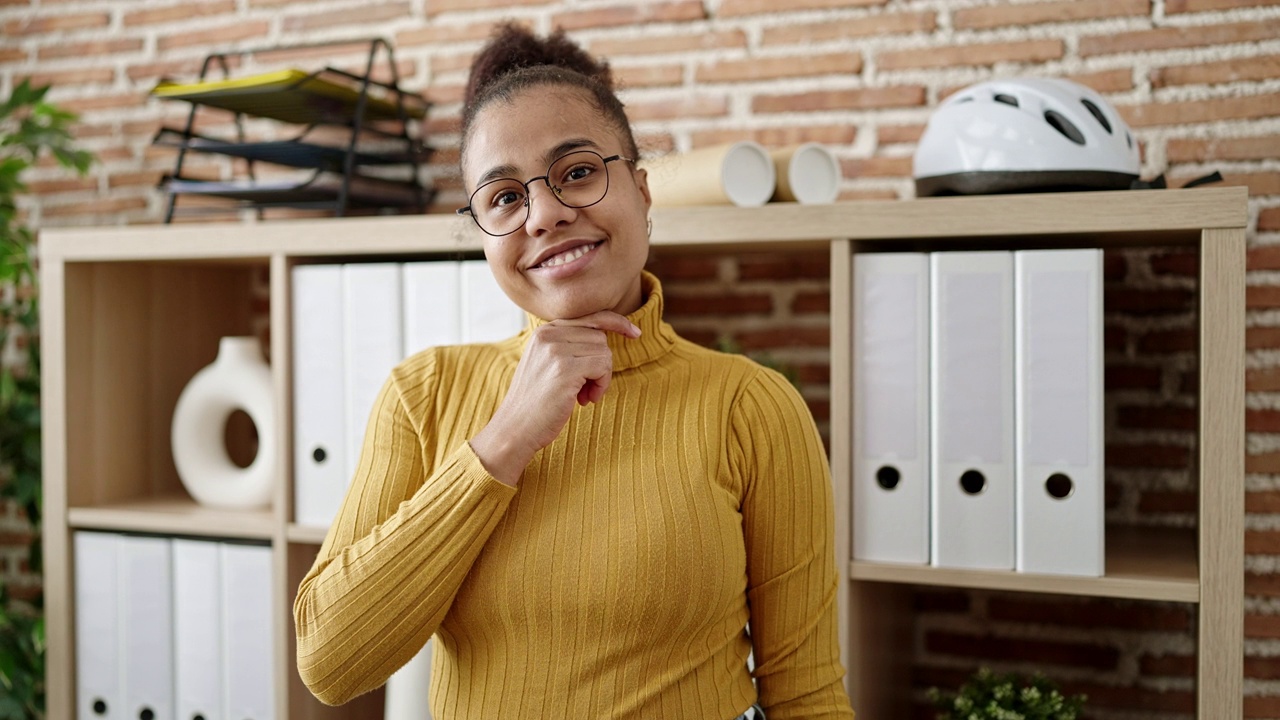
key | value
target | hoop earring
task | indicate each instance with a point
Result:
(650, 226)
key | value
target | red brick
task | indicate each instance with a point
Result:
(1114, 338)
(891, 134)
(435, 7)
(819, 100)
(1132, 377)
(8, 55)
(1185, 6)
(78, 76)
(1268, 221)
(814, 374)
(811, 303)
(1147, 456)
(1168, 341)
(1047, 652)
(1168, 665)
(1259, 183)
(725, 304)
(897, 167)
(94, 48)
(1188, 112)
(36, 24)
(634, 14)
(1264, 147)
(49, 187)
(1175, 37)
(1264, 67)
(1047, 12)
(770, 68)
(103, 102)
(785, 337)
(731, 8)
(189, 67)
(1106, 81)
(966, 55)
(1089, 614)
(669, 44)
(1135, 301)
(311, 55)
(441, 64)
(1115, 266)
(699, 105)
(874, 26)
(936, 601)
(647, 75)
(101, 206)
(214, 36)
(1262, 626)
(362, 15)
(1134, 698)
(438, 33)
(445, 94)
(1267, 421)
(795, 266)
(146, 178)
(1168, 501)
(1262, 379)
(677, 266)
(1262, 542)
(1157, 418)
(778, 136)
(184, 11)
(1261, 668)
(1265, 296)
(1267, 585)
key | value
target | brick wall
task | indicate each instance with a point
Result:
(1198, 79)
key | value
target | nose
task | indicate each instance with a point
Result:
(547, 213)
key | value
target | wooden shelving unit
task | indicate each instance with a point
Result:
(130, 314)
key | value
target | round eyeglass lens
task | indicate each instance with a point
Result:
(578, 179)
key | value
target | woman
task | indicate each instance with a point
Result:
(587, 515)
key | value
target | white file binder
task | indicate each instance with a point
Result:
(1059, 384)
(247, 631)
(373, 344)
(432, 305)
(972, 427)
(197, 629)
(146, 626)
(891, 407)
(488, 315)
(409, 689)
(97, 630)
(319, 415)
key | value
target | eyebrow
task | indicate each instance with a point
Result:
(508, 170)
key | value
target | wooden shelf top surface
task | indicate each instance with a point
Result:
(1142, 564)
(178, 515)
(1147, 215)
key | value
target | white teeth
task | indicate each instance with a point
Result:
(567, 257)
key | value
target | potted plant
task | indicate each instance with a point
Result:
(992, 696)
(29, 129)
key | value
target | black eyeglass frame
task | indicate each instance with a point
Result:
(556, 191)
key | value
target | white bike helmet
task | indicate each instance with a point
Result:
(1025, 134)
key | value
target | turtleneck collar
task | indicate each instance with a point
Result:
(656, 337)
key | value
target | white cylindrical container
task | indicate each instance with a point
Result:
(741, 173)
(238, 379)
(807, 174)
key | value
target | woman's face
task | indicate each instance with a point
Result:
(536, 265)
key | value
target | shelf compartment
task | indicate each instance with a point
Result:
(174, 514)
(1142, 564)
(290, 153)
(298, 97)
(320, 189)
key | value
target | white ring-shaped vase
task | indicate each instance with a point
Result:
(238, 379)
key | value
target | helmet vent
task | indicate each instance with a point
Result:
(1064, 126)
(1129, 139)
(1006, 99)
(1097, 114)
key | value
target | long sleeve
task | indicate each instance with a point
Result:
(399, 550)
(788, 525)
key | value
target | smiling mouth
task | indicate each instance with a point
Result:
(568, 256)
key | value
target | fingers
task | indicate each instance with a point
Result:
(605, 320)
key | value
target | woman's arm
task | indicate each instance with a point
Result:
(788, 523)
(398, 551)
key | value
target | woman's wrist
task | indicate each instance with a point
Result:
(501, 456)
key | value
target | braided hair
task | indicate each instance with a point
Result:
(515, 60)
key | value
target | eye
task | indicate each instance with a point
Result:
(506, 198)
(579, 172)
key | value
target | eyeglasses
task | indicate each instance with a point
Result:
(579, 179)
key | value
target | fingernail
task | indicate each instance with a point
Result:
(636, 330)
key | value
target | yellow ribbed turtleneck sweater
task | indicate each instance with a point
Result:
(617, 579)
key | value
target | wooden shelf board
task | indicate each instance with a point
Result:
(177, 515)
(1151, 217)
(1142, 564)
(307, 534)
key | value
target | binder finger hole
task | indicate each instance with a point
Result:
(1059, 485)
(888, 477)
(319, 455)
(146, 713)
(99, 707)
(973, 482)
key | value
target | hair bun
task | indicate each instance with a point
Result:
(513, 46)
